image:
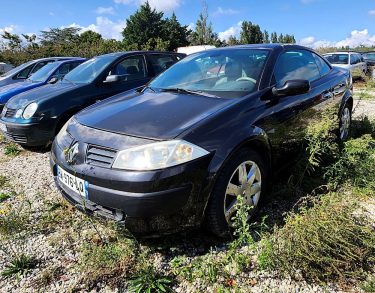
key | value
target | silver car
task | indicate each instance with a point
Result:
(349, 60)
(22, 72)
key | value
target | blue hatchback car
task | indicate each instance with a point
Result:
(50, 73)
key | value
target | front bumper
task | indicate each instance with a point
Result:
(31, 134)
(148, 203)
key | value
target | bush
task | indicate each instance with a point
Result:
(330, 240)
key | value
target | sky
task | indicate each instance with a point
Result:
(314, 23)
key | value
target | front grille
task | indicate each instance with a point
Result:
(21, 139)
(10, 113)
(99, 156)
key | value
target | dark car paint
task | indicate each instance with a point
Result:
(270, 126)
(58, 102)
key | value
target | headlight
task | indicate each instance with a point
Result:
(62, 133)
(158, 155)
(18, 113)
(30, 110)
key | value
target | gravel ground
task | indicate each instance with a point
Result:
(56, 249)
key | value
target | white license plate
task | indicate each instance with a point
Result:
(3, 127)
(72, 182)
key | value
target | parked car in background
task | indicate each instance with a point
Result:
(369, 58)
(349, 60)
(50, 73)
(5, 67)
(24, 71)
(34, 118)
(180, 151)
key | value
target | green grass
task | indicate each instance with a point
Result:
(4, 197)
(19, 265)
(148, 280)
(11, 149)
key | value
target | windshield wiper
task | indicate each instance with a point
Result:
(191, 92)
(147, 87)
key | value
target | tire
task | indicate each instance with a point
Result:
(220, 204)
(345, 122)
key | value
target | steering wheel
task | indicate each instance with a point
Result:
(245, 78)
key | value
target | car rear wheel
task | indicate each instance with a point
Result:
(243, 175)
(345, 122)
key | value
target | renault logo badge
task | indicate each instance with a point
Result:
(71, 153)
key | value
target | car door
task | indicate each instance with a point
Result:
(354, 65)
(288, 118)
(132, 72)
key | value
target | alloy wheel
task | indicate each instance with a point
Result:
(345, 123)
(245, 181)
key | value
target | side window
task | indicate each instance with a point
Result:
(354, 59)
(132, 68)
(299, 64)
(24, 73)
(64, 69)
(74, 65)
(39, 66)
(322, 65)
(161, 62)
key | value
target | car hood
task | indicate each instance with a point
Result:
(159, 115)
(39, 94)
(346, 66)
(15, 88)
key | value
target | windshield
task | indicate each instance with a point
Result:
(337, 58)
(44, 73)
(89, 70)
(224, 73)
(370, 56)
(18, 68)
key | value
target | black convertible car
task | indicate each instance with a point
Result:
(33, 118)
(214, 126)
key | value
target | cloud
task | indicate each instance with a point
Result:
(10, 29)
(105, 10)
(191, 26)
(357, 38)
(51, 13)
(232, 31)
(160, 5)
(372, 12)
(222, 11)
(104, 26)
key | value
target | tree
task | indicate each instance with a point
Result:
(274, 38)
(141, 27)
(232, 41)
(266, 37)
(281, 39)
(204, 33)
(13, 41)
(90, 37)
(175, 33)
(67, 35)
(251, 33)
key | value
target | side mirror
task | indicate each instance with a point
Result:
(292, 88)
(112, 79)
(53, 80)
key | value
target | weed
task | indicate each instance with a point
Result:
(104, 261)
(356, 164)
(4, 197)
(148, 280)
(369, 284)
(19, 265)
(3, 181)
(329, 240)
(14, 219)
(11, 149)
